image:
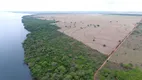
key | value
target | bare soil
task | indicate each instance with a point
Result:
(100, 32)
(131, 49)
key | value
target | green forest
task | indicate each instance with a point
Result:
(52, 55)
(115, 71)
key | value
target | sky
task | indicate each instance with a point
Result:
(70, 5)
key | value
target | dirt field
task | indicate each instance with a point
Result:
(100, 32)
(131, 49)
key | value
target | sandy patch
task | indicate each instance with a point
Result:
(100, 32)
(131, 50)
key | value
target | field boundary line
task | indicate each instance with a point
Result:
(95, 74)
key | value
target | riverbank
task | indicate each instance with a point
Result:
(51, 54)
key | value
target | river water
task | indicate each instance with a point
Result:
(12, 34)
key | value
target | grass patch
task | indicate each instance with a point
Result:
(114, 71)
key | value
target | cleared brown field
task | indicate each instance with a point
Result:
(131, 49)
(100, 32)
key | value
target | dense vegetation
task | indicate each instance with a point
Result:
(113, 71)
(52, 55)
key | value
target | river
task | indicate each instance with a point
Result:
(12, 34)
